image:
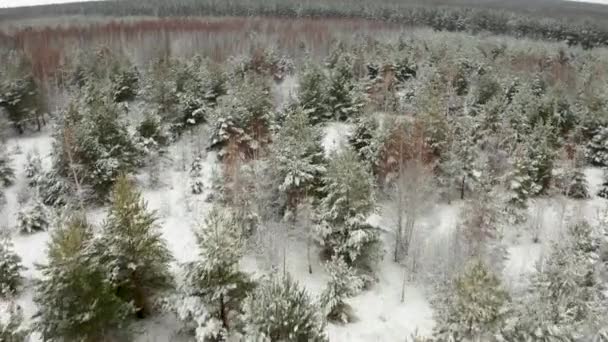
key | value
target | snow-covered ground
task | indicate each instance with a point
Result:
(381, 316)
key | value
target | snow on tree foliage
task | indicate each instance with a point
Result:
(196, 176)
(344, 283)
(92, 143)
(365, 140)
(20, 94)
(12, 327)
(577, 187)
(597, 148)
(298, 158)
(214, 280)
(33, 218)
(474, 309)
(75, 299)
(349, 198)
(33, 168)
(132, 248)
(280, 310)
(565, 301)
(603, 192)
(242, 119)
(312, 93)
(7, 174)
(10, 268)
(344, 98)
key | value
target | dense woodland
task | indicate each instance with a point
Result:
(491, 125)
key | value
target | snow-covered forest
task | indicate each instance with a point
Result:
(388, 184)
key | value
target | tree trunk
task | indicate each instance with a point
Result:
(462, 187)
(223, 313)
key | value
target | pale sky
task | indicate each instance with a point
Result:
(17, 3)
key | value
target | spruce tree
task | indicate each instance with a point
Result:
(343, 98)
(577, 187)
(10, 268)
(349, 198)
(564, 301)
(75, 298)
(475, 310)
(298, 158)
(215, 279)
(343, 283)
(312, 93)
(34, 218)
(364, 140)
(132, 248)
(7, 174)
(196, 176)
(603, 192)
(33, 168)
(280, 310)
(12, 327)
(597, 148)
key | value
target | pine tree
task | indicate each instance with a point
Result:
(343, 98)
(349, 199)
(280, 310)
(298, 158)
(34, 218)
(7, 174)
(364, 140)
(603, 192)
(196, 176)
(12, 327)
(76, 301)
(343, 283)
(597, 148)
(132, 248)
(33, 168)
(10, 267)
(312, 93)
(475, 310)
(564, 301)
(577, 185)
(215, 279)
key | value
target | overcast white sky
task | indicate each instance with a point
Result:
(17, 3)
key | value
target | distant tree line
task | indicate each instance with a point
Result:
(538, 19)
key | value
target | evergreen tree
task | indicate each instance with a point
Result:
(279, 310)
(7, 174)
(242, 120)
(349, 199)
(565, 300)
(343, 283)
(312, 93)
(10, 266)
(475, 310)
(132, 248)
(215, 279)
(577, 185)
(597, 148)
(343, 98)
(364, 140)
(298, 158)
(603, 192)
(20, 94)
(12, 327)
(33, 168)
(76, 300)
(92, 142)
(196, 176)
(34, 218)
